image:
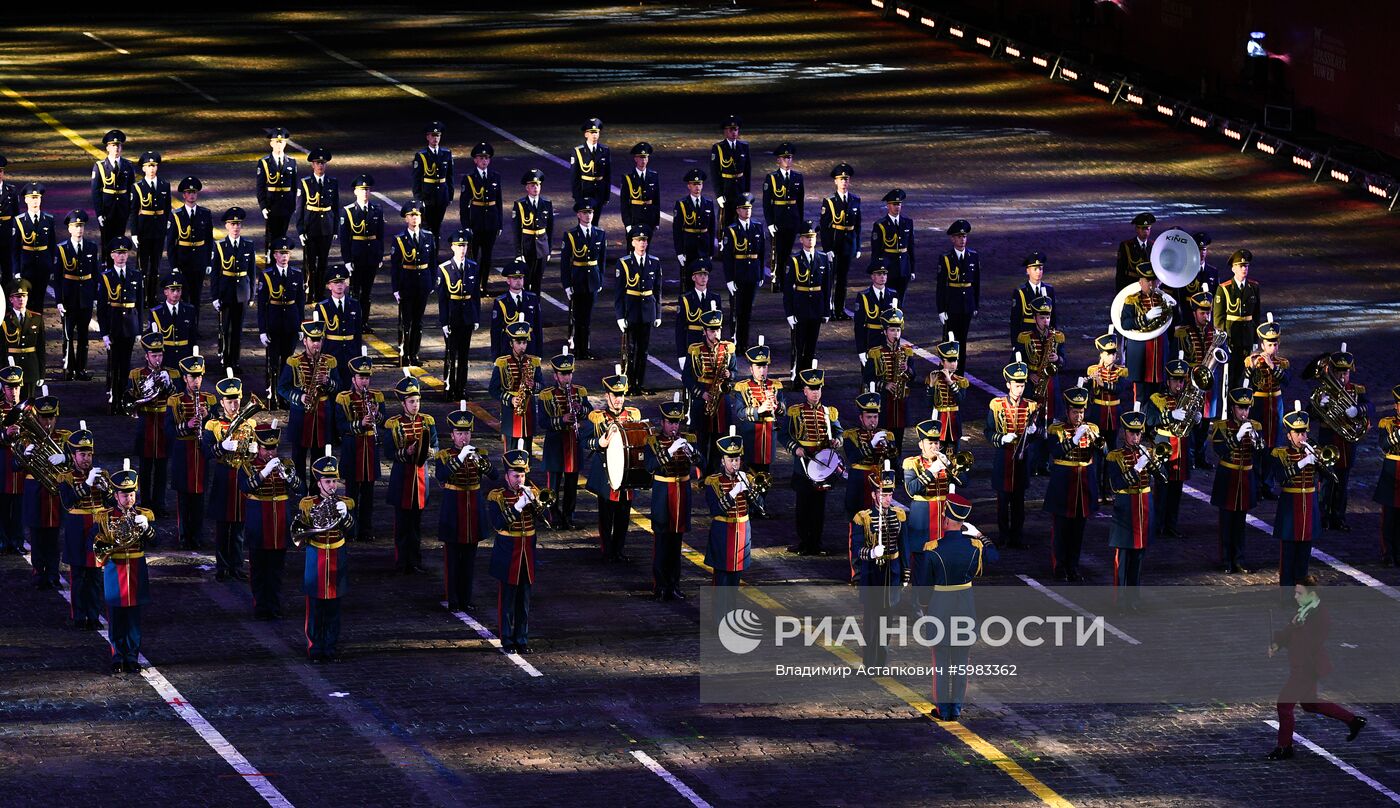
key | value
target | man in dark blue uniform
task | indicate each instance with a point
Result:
(189, 241)
(231, 287)
(119, 319)
(516, 304)
(638, 307)
(433, 172)
(481, 209)
(641, 191)
(892, 236)
(532, 222)
(581, 263)
(75, 289)
(276, 188)
(871, 305)
(1022, 312)
(956, 560)
(361, 244)
(459, 313)
(34, 243)
(591, 167)
(281, 301)
(173, 319)
(9, 208)
(743, 252)
(112, 178)
(876, 536)
(693, 225)
(412, 255)
(959, 286)
(672, 459)
(784, 205)
(807, 297)
(729, 166)
(694, 304)
(317, 208)
(150, 218)
(341, 314)
(840, 226)
(23, 337)
(1133, 251)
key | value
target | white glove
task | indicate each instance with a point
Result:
(217, 305)
(93, 475)
(621, 325)
(1324, 399)
(857, 254)
(447, 331)
(1351, 412)
(476, 326)
(341, 508)
(141, 521)
(879, 438)
(107, 343)
(60, 310)
(396, 297)
(738, 489)
(569, 292)
(263, 338)
(1008, 439)
(101, 219)
(656, 323)
(462, 455)
(1307, 460)
(29, 450)
(732, 287)
(136, 241)
(772, 230)
(264, 212)
(56, 459)
(970, 529)
(878, 551)
(680, 259)
(680, 443)
(1031, 429)
(350, 268)
(1081, 432)
(303, 240)
(523, 502)
(270, 466)
(1245, 429)
(1154, 312)
(229, 445)
(720, 200)
(830, 256)
(938, 465)
(1140, 464)
(1168, 299)
(943, 317)
(1178, 414)
(792, 322)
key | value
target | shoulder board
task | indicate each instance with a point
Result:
(428, 419)
(501, 362)
(1283, 362)
(1115, 455)
(910, 463)
(1360, 389)
(342, 397)
(833, 413)
(997, 405)
(1387, 422)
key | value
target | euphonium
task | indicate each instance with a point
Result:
(36, 462)
(1331, 400)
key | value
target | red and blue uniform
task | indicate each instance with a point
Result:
(731, 537)
(1296, 521)
(42, 511)
(507, 376)
(267, 527)
(671, 475)
(1387, 493)
(308, 428)
(189, 470)
(409, 441)
(325, 577)
(126, 584)
(1072, 495)
(1134, 522)
(512, 563)
(563, 452)
(81, 506)
(461, 524)
(1235, 489)
(11, 493)
(225, 498)
(359, 450)
(758, 429)
(152, 441)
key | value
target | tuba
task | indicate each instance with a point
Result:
(1331, 400)
(1176, 260)
(36, 463)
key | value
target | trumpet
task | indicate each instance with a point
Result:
(1327, 457)
(540, 501)
(483, 466)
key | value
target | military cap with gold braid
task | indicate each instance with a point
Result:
(1134, 420)
(886, 480)
(563, 362)
(892, 318)
(314, 328)
(192, 365)
(812, 377)
(230, 386)
(673, 410)
(711, 319)
(730, 446)
(337, 272)
(759, 354)
(1242, 397)
(1017, 371)
(957, 507)
(153, 342)
(326, 467)
(408, 387)
(1076, 398)
(1035, 259)
(1144, 220)
(1269, 331)
(1144, 269)
(616, 383)
(1342, 360)
(461, 418)
(46, 404)
(1178, 368)
(80, 439)
(1296, 421)
(1241, 257)
(267, 434)
(517, 459)
(126, 480)
(1042, 305)
(1202, 299)
(869, 401)
(948, 348)
(930, 429)
(519, 330)
(745, 200)
(11, 375)
(1108, 343)
(362, 365)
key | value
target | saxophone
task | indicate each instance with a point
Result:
(900, 374)
(524, 390)
(1193, 396)
(719, 380)
(314, 379)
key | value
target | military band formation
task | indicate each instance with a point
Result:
(1192, 368)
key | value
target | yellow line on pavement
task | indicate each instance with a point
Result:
(77, 139)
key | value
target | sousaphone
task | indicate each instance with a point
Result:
(1176, 260)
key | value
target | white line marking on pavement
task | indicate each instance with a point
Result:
(198, 723)
(485, 634)
(96, 38)
(1069, 604)
(206, 96)
(671, 780)
(1343, 765)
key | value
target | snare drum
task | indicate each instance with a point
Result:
(626, 458)
(823, 469)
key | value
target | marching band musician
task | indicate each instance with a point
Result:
(174, 319)
(955, 561)
(1235, 308)
(1196, 341)
(672, 460)
(150, 218)
(1163, 416)
(809, 428)
(281, 301)
(866, 446)
(119, 320)
(638, 305)
(1338, 367)
(410, 438)
(481, 209)
(276, 177)
(1134, 251)
(1387, 493)
(877, 534)
(462, 522)
(11, 473)
(892, 237)
(126, 583)
(806, 298)
(308, 383)
(149, 388)
(1235, 490)
(269, 487)
(695, 303)
(840, 228)
(729, 165)
(35, 243)
(41, 509)
(1043, 347)
(317, 209)
(694, 224)
(1295, 521)
(614, 507)
(1133, 513)
(562, 410)
(743, 254)
(641, 198)
(433, 174)
(928, 478)
(730, 499)
(890, 366)
(707, 375)
(82, 498)
(75, 290)
(324, 576)
(1022, 313)
(185, 414)
(756, 403)
(581, 263)
(516, 381)
(959, 291)
(227, 447)
(1111, 394)
(1008, 427)
(1147, 309)
(342, 316)
(189, 242)
(946, 389)
(591, 167)
(359, 412)
(1072, 496)
(459, 313)
(516, 305)
(1268, 372)
(362, 244)
(784, 203)
(512, 518)
(532, 223)
(1207, 278)
(871, 305)
(411, 259)
(231, 287)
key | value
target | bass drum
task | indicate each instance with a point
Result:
(626, 458)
